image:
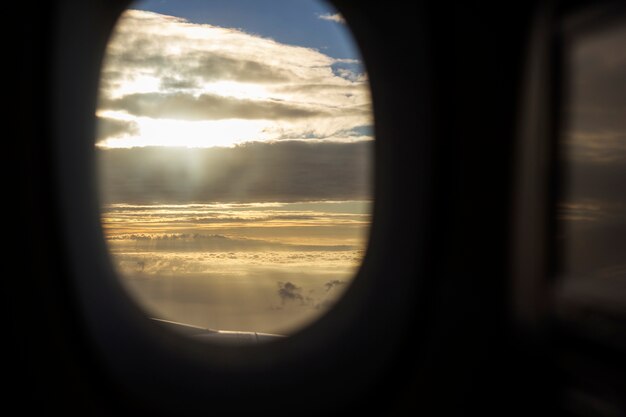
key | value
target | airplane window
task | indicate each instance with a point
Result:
(234, 144)
(592, 209)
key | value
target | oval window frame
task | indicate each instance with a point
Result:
(379, 301)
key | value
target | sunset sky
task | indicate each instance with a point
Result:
(235, 155)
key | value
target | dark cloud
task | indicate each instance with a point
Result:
(288, 291)
(330, 297)
(333, 284)
(212, 67)
(107, 127)
(285, 171)
(204, 107)
(177, 83)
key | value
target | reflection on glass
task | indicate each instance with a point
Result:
(234, 155)
(593, 209)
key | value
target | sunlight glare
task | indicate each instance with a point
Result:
(190, 134)
(139, 83)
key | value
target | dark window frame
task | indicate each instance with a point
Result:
(161, 368)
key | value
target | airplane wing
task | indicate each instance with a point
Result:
(218, 336)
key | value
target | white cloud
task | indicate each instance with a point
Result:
(332, 17)
(159, 69)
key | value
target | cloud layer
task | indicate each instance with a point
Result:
(278, 171)
(257, 266)
(160, 67)
(183, 106)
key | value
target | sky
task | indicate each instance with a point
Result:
(294, 22)
(234, 143)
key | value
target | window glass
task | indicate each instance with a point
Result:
(592, 216)
(234, 143)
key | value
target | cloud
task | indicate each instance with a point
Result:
(221, 299)
(174, 83)
(197, 242)
(204, 107)
(143, 54)
(215, 67)
(333, 290)
(160, 68)
(277, 172)
(332, 17)
(349, 75)
(287, 291)
(108, 127)
(333, 284)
